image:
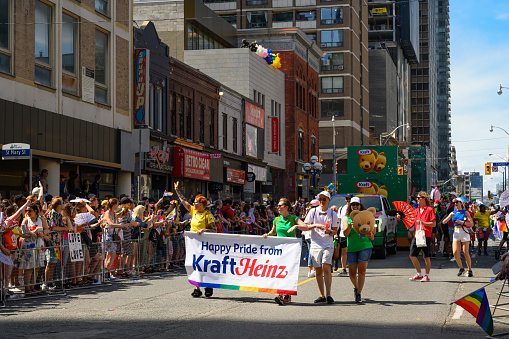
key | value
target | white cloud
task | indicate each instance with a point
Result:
(503, 16)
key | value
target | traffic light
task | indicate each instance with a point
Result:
(400, 170)
(489, 195)
(487, 169)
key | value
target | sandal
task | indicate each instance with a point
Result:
(208, 292)
(196, 293)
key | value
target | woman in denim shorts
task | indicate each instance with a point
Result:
(358, 250)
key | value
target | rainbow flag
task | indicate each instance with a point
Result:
(476, 303)
(167, 194)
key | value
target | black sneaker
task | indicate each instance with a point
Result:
(355, 292)
(470, 274)
(486, 253)
(433, 255)
(461, 271)
(478, 252)
(196, 293)
(279, 300)
(330, 300)
(320, 300)
(287, 298)
(358, 298)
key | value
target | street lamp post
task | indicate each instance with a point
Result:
(314, 168)
(393, 131)
(499, 92)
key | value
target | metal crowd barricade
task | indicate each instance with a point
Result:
(49, 271)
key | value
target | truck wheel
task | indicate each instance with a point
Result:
(382, 252)
(393, 249)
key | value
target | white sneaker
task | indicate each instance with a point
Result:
(15, 290)
(44, 287)
(311, 274)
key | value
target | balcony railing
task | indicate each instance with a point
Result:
(332, 67)
(332, 90)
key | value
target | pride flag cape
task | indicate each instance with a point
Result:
(476, 303)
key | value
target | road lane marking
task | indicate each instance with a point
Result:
(458, 312)
(311, 279)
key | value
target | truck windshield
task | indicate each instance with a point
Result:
(372, 202)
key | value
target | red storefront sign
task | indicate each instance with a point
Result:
(255, 115)
(274, 122)
(216, 155)
(190, 164)
(141, 56)
(236, 176)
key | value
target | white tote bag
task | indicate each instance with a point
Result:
(420, 236)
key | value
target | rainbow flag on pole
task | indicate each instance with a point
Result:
(167, 194)
(476, 303)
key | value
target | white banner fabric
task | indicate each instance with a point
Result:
(243, 262)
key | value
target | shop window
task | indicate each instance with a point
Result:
(332, 38)
(256, 19)
(332, 85)
(333, 107)
(43, 44)
(331, 15)
(5, 36)
(173, 113)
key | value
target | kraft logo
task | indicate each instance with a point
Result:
(245, 266)
(363, 184)
(364, 152)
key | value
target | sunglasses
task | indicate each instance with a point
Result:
(457, 202)
(420, 197)
(28, 211)
(355, 204)
(196, 202)
(281, 205)
(322, 199)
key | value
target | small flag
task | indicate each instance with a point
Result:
(503, 226)
(476, 303)
(167, 194)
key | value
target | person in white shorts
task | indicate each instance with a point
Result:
(322, 245)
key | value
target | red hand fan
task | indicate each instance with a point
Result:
(407, 210)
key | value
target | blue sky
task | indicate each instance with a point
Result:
(479, 64)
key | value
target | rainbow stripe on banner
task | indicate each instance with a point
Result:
(476, 303)
(242, 288)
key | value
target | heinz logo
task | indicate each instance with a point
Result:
(364, 152)
(363, 184)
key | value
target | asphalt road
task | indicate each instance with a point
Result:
(160, 306)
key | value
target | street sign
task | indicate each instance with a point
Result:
(15, 151)
(500, 164)
(494, 168)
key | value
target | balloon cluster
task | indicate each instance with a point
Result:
(271, 58)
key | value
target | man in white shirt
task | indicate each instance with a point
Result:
(341, 237)
(322, 244)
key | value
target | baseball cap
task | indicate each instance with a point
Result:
(314, 203)
(325, 193)
(125, 200)
(355, 199)
(349, 196)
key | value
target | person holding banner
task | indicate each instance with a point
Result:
(284, 226)
(201, 221)
(322, 244)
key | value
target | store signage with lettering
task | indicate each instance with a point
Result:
(250, 177)
(190, 164)
(274, 123)
(160, 156)
(216, 155)
(141, 86)
(235, 176)
(255, 115)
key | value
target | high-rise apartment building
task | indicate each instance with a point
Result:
(443, 90)
(393, 47)
(424, 88)
(340, 28)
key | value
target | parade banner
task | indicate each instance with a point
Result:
(243, 262)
